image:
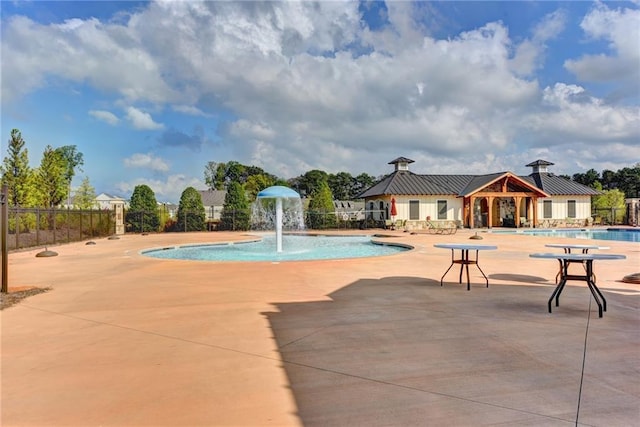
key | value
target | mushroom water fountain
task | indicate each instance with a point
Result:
(288, 211)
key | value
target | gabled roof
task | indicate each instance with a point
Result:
(479, 182)
(212, 197)
(482, 181)
(107, 197)
(557, 186)
(403, 182)
(407, 183)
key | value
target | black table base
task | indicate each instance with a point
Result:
(589, 277)
(464, 264)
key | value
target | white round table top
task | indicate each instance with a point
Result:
(578, 257)
(575, 246)
(465, 246)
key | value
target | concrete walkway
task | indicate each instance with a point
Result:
(126, 340)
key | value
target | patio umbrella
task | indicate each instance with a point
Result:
(394, 211)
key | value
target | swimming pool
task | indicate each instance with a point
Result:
(295, 247)
(618, 234)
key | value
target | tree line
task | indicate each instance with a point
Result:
(144, 214)
(343, 185)
(614, 187)
(49, 185)
(626, 180)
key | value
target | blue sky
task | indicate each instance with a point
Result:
(150, 92)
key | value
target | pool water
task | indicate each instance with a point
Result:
(295, 247)
(617, 234)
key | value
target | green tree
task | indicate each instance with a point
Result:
(73, 160)
(51, 178)
(589, 178)
(608, 179)
(341, 185)
(321, 210)
(310, 182)
(235, 213)
(214, 174)
(628, 181)
(362, 182)
(191, 214)
(257, 183)
(143, 210)
(612, 201)
(16, 172)
(235, 172)
(85, 195)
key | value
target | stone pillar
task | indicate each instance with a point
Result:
(118, 210)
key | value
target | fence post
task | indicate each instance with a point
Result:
(68, 225)
(17, 226)
(37, 227)
(55, 226)
(4, 225)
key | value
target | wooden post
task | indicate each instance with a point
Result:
(472, 202)
(489, 211)
(4, 227)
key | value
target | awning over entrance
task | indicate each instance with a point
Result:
(500, 200)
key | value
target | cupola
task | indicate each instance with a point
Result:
(539, 166)
(401, 163)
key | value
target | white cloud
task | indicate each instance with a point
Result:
(550, 26)
(105, 116)
(147, 161)
(573, 117)
(141, 120)
(621, 29)
(529, 54)
(107, 56)
(293, 86)
(190, 110)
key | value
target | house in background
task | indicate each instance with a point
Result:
(106, 201)
(169, 209)
(501, 199)
(213, 201)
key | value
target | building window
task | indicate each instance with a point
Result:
(571, 208)
(442, 209)
(546, 209)
(414, 209)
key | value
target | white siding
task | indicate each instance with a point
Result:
(429, 207)
(559, 207)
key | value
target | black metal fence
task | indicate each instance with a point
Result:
(241, 220)
(33, 227)
(610, 216)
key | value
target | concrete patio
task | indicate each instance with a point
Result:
(122, 339)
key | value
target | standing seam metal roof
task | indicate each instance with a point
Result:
(408, 183)
(556, 185)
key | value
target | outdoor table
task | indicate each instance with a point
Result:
(567, 250)
(568, 246)
(464, 259)
(587, 259)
